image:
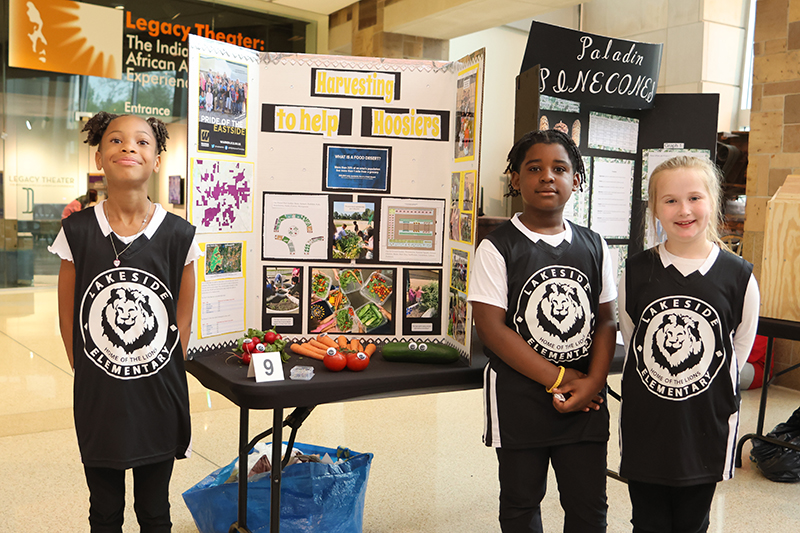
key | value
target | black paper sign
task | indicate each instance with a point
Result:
(593, 69)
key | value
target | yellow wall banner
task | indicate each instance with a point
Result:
(65, 36)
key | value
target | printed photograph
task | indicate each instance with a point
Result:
(422, 298)
(282, 290)
(459, 269)
(354, 230)
(223, 259)
(457, 319)
(351, 300)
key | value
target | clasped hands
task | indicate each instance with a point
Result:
(581, 392)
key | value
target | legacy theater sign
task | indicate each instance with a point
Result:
(595, 69)
(156, 28)
(71, 37)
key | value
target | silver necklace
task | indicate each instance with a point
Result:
(111, 236)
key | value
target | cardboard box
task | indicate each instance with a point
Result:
(780, 267)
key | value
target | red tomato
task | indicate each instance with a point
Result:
(270, 336)
(335, 361)
(357, 361)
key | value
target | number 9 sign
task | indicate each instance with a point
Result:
(266, 366)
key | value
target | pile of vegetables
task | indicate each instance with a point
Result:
(348, 247)
(344, 319)
(336, 354)
(430, 297)
(255, 340)
(350, 279)
(370, 315)
(378, 287)
(320, 284)
(338, 299)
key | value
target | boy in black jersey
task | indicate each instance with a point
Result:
(543, 301)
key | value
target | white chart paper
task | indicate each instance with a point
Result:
(221, 307)
(612, 132)
(611, 197)
(295, 226)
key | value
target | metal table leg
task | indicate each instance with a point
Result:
(277, 469)
(762, 407)
(294, 420)
(240, 526)
(762, 410)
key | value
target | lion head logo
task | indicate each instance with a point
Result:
(560, 312)
(128, 320)
(677, 344)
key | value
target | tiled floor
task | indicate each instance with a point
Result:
(430, 472)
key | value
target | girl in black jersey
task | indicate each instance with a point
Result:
(543, 301)
(125, 297)
(688, 315)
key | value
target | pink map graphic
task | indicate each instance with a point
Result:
(223, 196)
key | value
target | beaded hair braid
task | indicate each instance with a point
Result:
(517, 154)
(96, 127)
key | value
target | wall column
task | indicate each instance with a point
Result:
(774, 148)
(357, 30)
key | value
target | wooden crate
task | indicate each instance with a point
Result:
(780, 267)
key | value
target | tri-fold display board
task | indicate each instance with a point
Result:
(332, 194)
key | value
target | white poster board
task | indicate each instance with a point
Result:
(337, 174)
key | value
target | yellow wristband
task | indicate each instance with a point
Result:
(561, 370)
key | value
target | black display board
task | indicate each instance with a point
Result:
(680, 121)
(593, 69)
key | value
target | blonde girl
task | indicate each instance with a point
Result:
(688, 316)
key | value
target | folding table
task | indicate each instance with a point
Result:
(771, 328)
(217, 371)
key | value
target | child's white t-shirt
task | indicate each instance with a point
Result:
(61, 248)
(488, 281)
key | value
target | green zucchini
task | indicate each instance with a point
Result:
(405, 352)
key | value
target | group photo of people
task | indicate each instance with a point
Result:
(353, 231)
(223, 91)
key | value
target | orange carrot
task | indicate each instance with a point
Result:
(326, 340)
(308, 351)
(369, 349)
(354, 345)
(316, 344)
(342, 341)
(360, 346)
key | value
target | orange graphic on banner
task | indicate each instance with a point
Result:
(65, 36)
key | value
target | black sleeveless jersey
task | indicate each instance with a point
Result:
(131, 400)
(553, 295)
(680, 384)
